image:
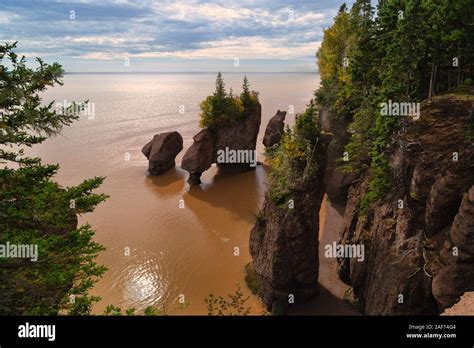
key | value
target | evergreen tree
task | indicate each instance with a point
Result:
(404, 54)
(35, 210)
(219, 100)
(224, 109)
(220, 92)
(245, 96)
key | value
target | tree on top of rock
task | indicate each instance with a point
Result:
(220, 92)
(219, 100)
(245, 96)
(222, 108)
(248, 98)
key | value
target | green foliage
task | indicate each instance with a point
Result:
(220, 92)
(35, 210)
(235, 305)
(253, 281)
(222, 109)
(112, 310)
(246, 96)
(397, 56)
(152, 311)
(295, 155)
(350, 298)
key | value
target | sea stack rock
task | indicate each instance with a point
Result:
(161, 152)
(241, 135)
(275, 129)
(209, 146)
(199, 156)
(284, 243)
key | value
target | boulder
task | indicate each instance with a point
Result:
(275, 129)
(161, 152)
(199, 156)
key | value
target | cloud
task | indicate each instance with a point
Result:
(192, 29)
(230, 48)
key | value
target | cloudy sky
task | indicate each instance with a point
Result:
(175, 36)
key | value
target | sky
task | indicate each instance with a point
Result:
(170, 36)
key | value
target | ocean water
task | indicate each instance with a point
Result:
(158, 252)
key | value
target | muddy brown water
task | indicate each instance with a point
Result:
(157, 248)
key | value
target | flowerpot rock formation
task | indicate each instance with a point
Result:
(210, 144)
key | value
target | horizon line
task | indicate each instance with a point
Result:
(187, 72)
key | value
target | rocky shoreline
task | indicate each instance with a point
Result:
(417, 241)
(419, 256)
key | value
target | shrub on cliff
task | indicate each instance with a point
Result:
(253, 281)
(224, 108)
(294, 158)
(35, 211)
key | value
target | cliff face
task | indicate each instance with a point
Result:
(418, 240)
(336, 182)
